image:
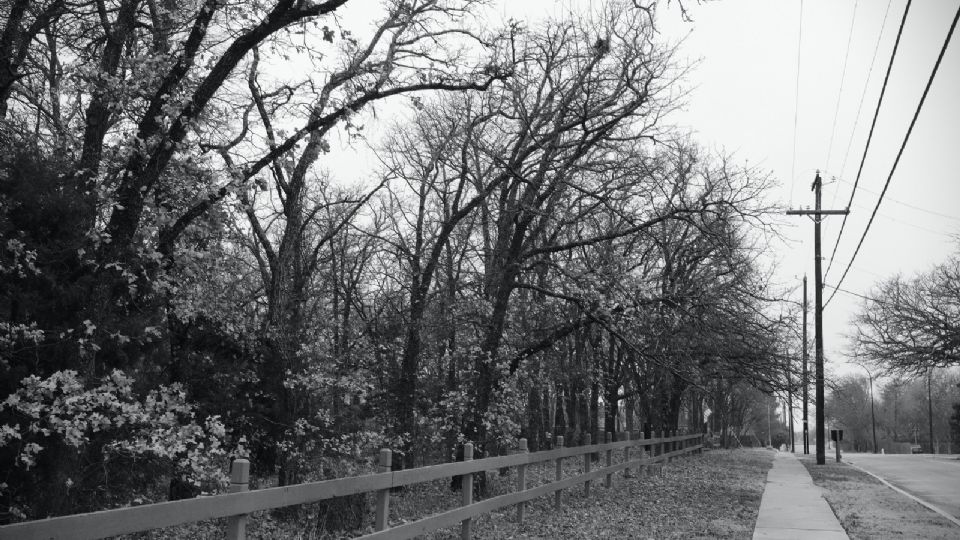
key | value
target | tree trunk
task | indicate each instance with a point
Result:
(594, 412)
(534, 419)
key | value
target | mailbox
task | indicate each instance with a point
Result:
(836, 435)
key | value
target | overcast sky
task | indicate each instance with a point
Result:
(743, 100)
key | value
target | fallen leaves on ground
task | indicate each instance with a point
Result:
(714, 495)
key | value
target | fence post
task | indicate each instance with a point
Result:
(625, 436)
(644, 454)
(670, 445)
(662, 451)
(666, 444)
(556, 500)
(466, 489)
(609, 481)
(239, 481)
(662, 445)
(383, 496)
(521, 481)
(586, 466)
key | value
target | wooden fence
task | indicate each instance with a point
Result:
(240, 502)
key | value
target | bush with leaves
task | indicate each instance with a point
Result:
(104, 428)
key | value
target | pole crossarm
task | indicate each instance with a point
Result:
(817, 212)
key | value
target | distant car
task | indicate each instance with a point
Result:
(916, 449)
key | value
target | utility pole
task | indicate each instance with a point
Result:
(789, 407)
(806, 378)
(930, 408)
(818, 214)
(873, 415)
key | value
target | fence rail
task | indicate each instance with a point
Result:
(240, 502)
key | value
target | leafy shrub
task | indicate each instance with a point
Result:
(59, 424)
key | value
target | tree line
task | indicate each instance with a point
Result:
(907, 331)
(537, 253)
(903, 412)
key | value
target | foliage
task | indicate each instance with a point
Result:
(61, 414)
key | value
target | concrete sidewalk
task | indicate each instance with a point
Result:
(792, 507)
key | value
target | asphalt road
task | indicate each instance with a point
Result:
(932, 478)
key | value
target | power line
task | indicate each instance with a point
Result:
(913, 122)
(907, 223)
(851, 293)
(873, 124)
(796, 106)
(871, 272)
(843, 77)
(908, 205)
(863, 95)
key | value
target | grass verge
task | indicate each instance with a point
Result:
(868, 509)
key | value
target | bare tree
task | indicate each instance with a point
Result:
(908, 326)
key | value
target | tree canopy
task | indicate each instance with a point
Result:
(911, 325)
(188, 276)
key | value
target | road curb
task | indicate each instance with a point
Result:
(950, 518)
